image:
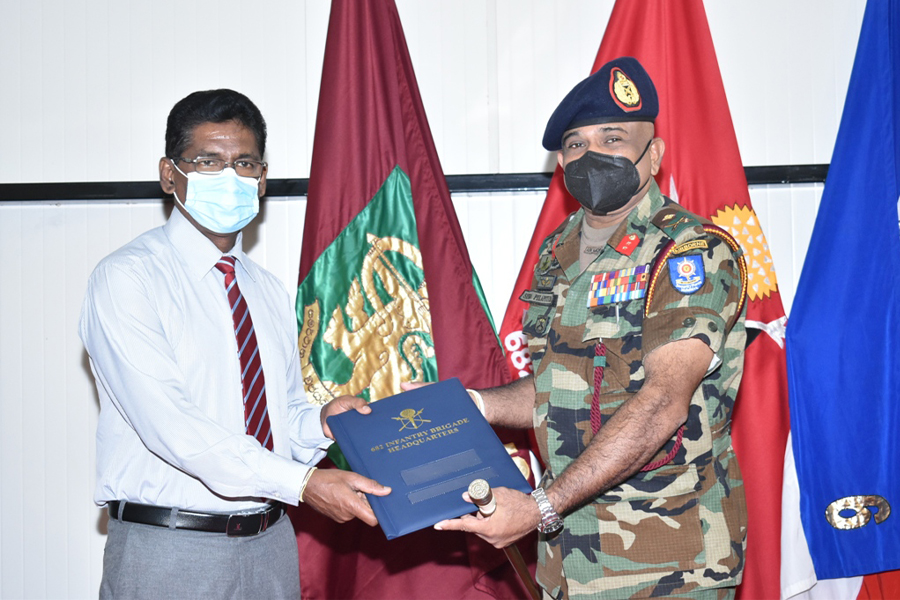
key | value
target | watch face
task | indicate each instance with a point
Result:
(553, 527)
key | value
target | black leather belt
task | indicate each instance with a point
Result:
(237, 525)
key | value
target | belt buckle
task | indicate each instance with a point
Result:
(246, 525)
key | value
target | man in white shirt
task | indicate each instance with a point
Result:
(204, 425)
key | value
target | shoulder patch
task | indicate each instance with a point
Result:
(687, 273)
(665, 257)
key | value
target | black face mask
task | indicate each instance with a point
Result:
(603, 183)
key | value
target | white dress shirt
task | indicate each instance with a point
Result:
(157, 326)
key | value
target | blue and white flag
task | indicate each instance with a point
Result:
(843, 337)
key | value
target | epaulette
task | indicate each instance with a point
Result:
(550, 240)
(673, 220)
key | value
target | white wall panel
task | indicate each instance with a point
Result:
(543, 50)
(497, 228)
(785, 66)
(787, 215)
(12, 395)
(91, 81)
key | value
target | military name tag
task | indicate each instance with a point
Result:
(539, 298)
(687, 273)
(618, 286)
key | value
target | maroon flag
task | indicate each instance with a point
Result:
(386, 294)
(702, 170)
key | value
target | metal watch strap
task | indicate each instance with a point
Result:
(550, 520)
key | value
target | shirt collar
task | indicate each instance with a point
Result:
(198, 253)
(568, 247)
(639, 218)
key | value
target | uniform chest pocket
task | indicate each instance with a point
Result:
(619, 327)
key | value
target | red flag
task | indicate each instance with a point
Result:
(382, 247)
(702, 170)
(557, 205)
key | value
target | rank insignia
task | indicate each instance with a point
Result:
(687, 273)
(618, 286)
(545, 283)
(628, 244)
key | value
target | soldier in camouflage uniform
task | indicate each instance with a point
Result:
(636, 333)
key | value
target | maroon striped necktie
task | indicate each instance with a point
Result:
(256, 414)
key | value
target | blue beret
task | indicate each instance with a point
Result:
(621, 90)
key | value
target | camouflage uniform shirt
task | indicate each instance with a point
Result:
(674, 528)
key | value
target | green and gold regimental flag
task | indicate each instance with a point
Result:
(363, 309)
(387, 294)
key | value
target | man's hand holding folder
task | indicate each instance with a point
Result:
(341, 495)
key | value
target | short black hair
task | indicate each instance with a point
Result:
(211, 106)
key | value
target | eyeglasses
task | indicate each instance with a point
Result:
(214, 166)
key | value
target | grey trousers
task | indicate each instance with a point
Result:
(156, 563)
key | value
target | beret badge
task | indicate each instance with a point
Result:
(624, 91)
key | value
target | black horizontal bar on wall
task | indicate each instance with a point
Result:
(500, 182)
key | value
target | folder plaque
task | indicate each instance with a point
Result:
(428, 445)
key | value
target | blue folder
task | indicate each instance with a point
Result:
(428, 445)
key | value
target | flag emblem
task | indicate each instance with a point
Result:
(853, 512)
(618, 286)
(364, 332)
(743, 225)
(624, 91)
(686, 273)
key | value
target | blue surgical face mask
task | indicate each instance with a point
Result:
(222, 203)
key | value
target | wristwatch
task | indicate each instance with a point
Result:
(550, 521)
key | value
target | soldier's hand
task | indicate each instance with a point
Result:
(517, 515)
(339, 405)
(340, 495)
